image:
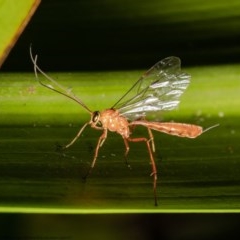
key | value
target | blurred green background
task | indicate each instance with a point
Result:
(121, 34)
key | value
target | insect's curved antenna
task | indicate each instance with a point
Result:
(61, 90)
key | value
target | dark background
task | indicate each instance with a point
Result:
(103, 35)
(120, 226)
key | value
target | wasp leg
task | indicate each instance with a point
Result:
(126, 152)
(151, 139)
(77, 136)
(154, 169)
(101, 140)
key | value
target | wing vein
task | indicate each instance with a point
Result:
(159, 89)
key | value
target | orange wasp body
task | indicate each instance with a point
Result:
(157, 90)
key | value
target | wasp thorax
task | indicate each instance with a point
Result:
(95, 116)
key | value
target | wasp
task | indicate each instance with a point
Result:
(158, 89)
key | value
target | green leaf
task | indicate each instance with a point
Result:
(14, 16)
(194, 175)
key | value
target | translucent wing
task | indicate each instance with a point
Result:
(157, 90)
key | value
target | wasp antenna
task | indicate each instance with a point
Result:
(34, 60)
(52, 84)
(209, 128)
(35, 67)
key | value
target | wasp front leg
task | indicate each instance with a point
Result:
(77, 136)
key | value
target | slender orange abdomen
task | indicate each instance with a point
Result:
(178, 129)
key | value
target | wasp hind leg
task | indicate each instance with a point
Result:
(154, 169)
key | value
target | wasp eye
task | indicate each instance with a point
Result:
(95, 116)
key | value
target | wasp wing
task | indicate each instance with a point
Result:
(157, 90)
(50, 83)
